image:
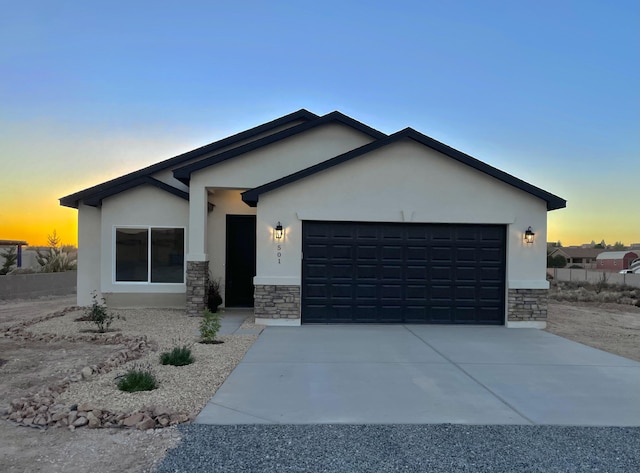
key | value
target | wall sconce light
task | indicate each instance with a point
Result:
(529, 235)
(278, 231)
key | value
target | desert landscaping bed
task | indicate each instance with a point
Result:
(91, 397)
(58, 366)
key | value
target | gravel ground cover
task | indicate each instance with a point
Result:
(403, 448)
(183, 388)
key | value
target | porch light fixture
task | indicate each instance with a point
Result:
(529, 235)
(278, 231)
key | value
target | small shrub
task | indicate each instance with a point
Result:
(209, 326)
(179, 356)
(602, 283)
(139, 378)
(214, 298)
(98, 314)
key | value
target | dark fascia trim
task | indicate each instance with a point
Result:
(73, 200)
(95, 200)
(554, 202)
(183, 174)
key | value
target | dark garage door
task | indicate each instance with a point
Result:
(403, 273)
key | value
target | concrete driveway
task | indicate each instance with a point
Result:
(408, 374)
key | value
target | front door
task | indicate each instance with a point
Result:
(240, 260)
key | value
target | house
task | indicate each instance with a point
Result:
(615, 260)
(6, 245)
(578, 256)
(321, 219)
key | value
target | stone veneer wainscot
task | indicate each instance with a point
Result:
(277, 302)
(528, 305)
(197, 287)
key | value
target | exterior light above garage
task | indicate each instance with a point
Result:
(278, 231)
(529, 235)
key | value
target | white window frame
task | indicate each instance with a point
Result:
(148, 281)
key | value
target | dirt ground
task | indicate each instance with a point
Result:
(614, 328)
(24, 367)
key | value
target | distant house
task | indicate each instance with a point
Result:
(615, 260)
(17, 244)
(578, 256)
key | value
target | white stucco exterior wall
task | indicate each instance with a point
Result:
(267, 164)
(89, 248)
(141, 206)
(403, 182)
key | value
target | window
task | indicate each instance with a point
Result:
(151, 255)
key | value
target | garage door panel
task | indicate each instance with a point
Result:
(465, 255)
(317, 251)
(441, 273)
(391, 273)
(417, 254)
(390, 292)
(465, 315)
(491, 275)
(442, 293)
(416, 274)
(340, 271)
(403, 273)
(391, 253)
(490, 255)
(391, 233)
(442, 254)
(366, 272)
(367, 253)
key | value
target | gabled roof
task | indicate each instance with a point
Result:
(91, 193)
(615, 254)
(574, 252)
(183, 173)
(553, 202)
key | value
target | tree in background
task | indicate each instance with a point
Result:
(10, 256)
(618, 246)
(56, 258)
(558, 261)
(602, 245)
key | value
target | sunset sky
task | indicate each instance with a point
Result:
(548, 91)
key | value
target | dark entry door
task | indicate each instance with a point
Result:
(403, 273)
(240, 260)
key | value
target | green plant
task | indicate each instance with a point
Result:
(178, 356)
(10, 256)
(558, 261)
(56, 258)
(98, 314)
(138, 378)
(209, 326)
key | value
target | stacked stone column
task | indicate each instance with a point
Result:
(277, 302)
(528, 305)
(197, 287)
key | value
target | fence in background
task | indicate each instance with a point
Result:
(566, 274)
(28, 286)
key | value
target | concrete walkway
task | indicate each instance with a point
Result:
(371, 374)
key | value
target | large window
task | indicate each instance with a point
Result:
(152, 255)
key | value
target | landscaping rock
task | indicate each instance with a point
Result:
(133, 420)
(146, 424)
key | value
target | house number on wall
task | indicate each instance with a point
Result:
(279, 253)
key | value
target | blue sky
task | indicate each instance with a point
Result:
(547, 91)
